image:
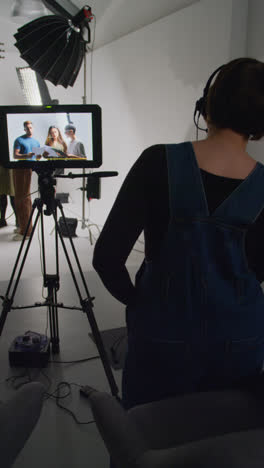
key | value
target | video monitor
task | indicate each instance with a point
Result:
(51, 137)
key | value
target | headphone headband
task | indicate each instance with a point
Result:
(201, 103)
(202, 100)
(210, 79)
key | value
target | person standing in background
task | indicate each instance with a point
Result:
(23, 146)
(6, 188)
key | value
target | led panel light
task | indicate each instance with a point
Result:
(34, 89)
(28, 9)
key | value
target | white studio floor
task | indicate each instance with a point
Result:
(57, 440)
(9, 249)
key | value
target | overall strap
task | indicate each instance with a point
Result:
(186, 190)
(246, 202)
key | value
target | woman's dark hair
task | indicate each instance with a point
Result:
(236, 98)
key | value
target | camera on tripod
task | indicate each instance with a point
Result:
(44, 161)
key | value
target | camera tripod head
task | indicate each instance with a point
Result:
(47, 181)
(46, 186)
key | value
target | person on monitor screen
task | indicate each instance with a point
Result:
(54, 140)
(194, 315)
(75, 147)
(23, 146)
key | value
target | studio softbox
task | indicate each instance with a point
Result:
(54, 46)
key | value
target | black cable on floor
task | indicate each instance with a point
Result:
(56, 394)
(73, 362)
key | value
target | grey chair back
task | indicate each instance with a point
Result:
(190, 431)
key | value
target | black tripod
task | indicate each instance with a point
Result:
(52, 282)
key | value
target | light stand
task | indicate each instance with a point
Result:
(85, 221)
(84, 225)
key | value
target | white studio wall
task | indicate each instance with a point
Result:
(255, 34)
(148, 81)
(147, 84)
(10, 92)
(255, 38)
(238, 32)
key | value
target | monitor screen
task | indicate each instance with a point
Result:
(54, 136)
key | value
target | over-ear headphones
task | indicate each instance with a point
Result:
(200, 106)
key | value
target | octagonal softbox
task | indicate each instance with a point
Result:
(54, 47)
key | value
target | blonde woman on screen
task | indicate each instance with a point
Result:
(55, 140)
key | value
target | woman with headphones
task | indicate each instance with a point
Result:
(195, 314)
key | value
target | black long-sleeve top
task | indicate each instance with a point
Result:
(142, 204)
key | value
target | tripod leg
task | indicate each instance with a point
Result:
(52, 283)
(86, 304)
(7, 302)
(87, 308)
(35, 204)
